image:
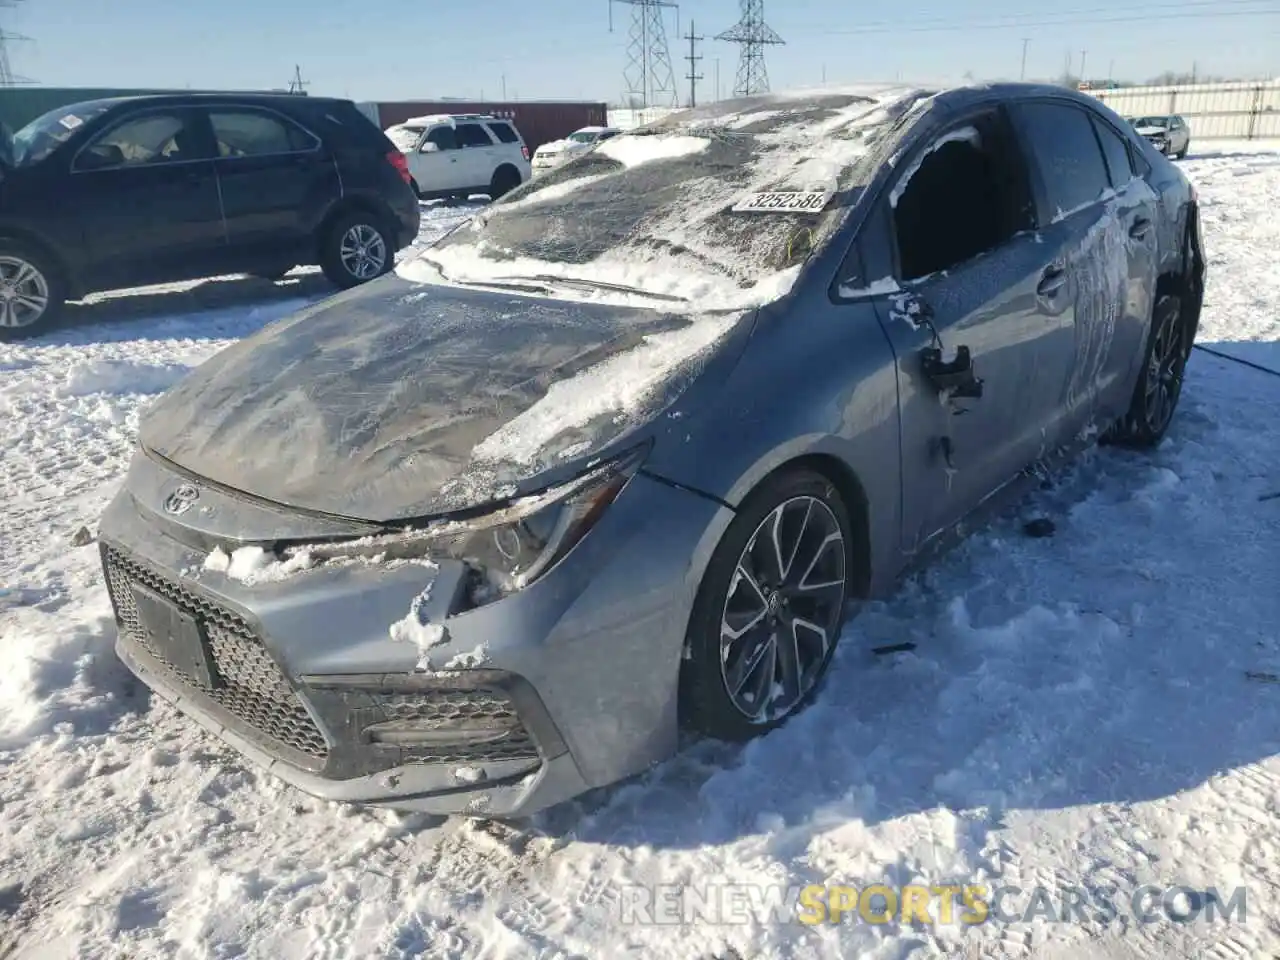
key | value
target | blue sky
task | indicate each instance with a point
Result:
(562, 48)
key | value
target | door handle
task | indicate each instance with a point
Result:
(1053, 280)
(1141, 227)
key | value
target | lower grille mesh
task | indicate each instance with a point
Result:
(253, 691)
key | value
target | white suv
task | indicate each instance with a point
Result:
(452, 155)
(577, 143)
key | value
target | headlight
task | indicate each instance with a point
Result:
(509, 548)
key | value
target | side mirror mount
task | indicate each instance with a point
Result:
(956, 375)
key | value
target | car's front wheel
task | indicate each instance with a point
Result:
(1155, 398)
(31, 290)
(770, 609)
(355, 249)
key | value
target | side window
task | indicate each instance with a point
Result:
(608, 134)
(443, 138)
(249, 134)
(1062, 141)
(966, 195)
(503, 132)
(472, 135)
(1116, 152)
(149, 139)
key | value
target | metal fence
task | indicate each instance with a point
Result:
(1239, 110)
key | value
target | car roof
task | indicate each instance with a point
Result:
(162, 99)
(450, 118)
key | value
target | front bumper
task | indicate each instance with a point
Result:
(577, 688)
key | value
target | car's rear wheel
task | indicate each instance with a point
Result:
(769, 610)
(355, 250)
(31, 290)
(1155, 398)
(505, 179)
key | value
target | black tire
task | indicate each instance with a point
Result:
(27, 274)
(1182, 154)
(505, 179)
(1159, 386)
(340, 267)
(417, 192)
(706, 702)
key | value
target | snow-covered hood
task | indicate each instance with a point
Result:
(1148, 130)
(399, 400)
(562, 146)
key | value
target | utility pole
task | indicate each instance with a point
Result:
(1111, 70)
(504, 88)
(1022, 74)
(717, 79)
(693, 75)
(297, 84)
(1082, 56)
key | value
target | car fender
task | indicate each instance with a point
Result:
(817, 379)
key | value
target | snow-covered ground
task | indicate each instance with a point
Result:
(1091, 709)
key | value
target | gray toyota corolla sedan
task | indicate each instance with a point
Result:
(624, 451)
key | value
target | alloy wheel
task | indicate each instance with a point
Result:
(1165, 368)
(784, 607)
(24, 292)
(363, 252)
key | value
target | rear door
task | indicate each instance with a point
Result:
(1081, 215)
(965, 270)
(274, 175)
(147, 195)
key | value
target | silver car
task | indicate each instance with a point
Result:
(624, 452)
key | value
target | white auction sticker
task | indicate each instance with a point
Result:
(788, 201)
(71, 121)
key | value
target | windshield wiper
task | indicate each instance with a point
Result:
(550, 279)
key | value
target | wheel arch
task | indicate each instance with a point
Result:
(508, 168)
(70, 281)
(344, 206)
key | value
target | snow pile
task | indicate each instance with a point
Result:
(120, 376)
(631, 151)
(254, 565)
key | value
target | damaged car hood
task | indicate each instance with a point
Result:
(399, 399)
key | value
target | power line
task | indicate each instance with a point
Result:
(1013, 18)
(693, 76)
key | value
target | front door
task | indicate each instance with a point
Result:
(967, 274)
(438, 165)
(147, 193)
(274, 177)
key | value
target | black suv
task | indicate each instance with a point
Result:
(136, 190)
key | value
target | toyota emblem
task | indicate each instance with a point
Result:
(182, 499)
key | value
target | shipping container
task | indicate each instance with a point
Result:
(539, 121)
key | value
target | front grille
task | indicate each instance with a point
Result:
(445, 710)
(253, 692)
